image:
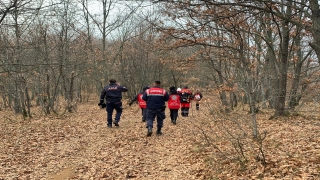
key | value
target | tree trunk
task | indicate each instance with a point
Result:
(315, 29)
(283, 66)
(296, 79)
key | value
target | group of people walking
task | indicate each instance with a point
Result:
(152, 102)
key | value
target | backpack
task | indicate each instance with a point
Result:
(185, 97)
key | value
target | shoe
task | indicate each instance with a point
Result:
(149, 131)
(174, 122)
(109, 126)
(159, 132)
(116, 123)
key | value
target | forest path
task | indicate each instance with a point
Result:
(125, 152)
(80, 146)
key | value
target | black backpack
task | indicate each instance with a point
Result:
(184, 97)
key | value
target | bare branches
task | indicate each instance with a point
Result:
(7, 8)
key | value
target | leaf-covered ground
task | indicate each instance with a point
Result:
(80, 146)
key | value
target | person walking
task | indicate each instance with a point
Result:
(197, 97)
(174, 104)
(155, 97)
(113, 96)
(185, 99)
(141, 102)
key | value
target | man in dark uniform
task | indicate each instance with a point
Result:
(155, 98)
(113, 95)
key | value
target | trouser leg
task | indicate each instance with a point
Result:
(109, 108)
(160, 118)
(175, 115)
(144, 114)
(182, 111)
(171, 114)
(150, 117)
(118, 107)
(186, 111)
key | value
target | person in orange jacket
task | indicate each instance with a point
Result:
(185, 100)
(141, 102)
(174, 104)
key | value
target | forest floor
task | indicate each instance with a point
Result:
(205, 145)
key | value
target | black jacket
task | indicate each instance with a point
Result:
(112, 93)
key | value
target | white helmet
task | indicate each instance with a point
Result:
(179, 89)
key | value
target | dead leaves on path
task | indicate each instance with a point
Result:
(79, 146)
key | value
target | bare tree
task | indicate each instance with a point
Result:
(189, 21)
(6, 7)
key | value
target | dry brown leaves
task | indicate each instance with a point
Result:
(80, 146)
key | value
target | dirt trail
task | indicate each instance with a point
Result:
(80, 146)
(125, 152)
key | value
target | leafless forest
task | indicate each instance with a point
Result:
(257, 63)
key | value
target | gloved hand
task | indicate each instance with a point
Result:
(102, 104)
(163, 108)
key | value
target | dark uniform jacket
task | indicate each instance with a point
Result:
(155, 97)
(112, 93)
